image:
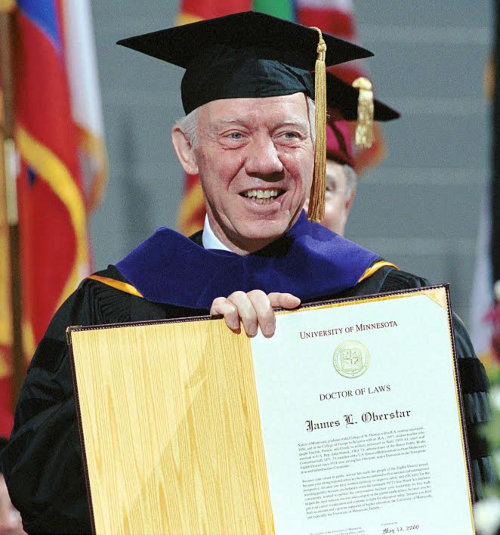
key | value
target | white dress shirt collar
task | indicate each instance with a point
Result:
(209, 239)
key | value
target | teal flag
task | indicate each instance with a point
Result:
(283, 9)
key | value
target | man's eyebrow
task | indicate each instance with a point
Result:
(229, 120)
(299, 123)
(215, 127)
(224, 122)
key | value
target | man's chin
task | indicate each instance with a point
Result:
(260, 234)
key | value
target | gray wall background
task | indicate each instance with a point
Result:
(419, 209)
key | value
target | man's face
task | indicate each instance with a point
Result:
(255, 157)
(338, 199)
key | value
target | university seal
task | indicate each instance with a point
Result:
(351, 358)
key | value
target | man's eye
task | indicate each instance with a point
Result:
(290, 135)
(235, 135)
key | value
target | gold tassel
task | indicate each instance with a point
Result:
(316, 210)
(364, 128)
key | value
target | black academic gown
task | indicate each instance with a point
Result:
(43, 461)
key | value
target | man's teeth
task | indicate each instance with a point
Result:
(262, 195)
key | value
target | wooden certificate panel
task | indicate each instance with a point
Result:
(177, 444)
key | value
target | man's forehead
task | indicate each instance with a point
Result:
(286, 108)
(335, 173)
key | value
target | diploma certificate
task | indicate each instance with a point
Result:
(361, 419)
(346, 422)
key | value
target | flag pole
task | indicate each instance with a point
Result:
(8, 190)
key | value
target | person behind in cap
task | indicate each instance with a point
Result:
(251, 105)
(341, 178)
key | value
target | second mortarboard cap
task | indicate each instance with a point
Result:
(342, 101)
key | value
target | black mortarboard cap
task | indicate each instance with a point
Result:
(342, 101)
(247, 54)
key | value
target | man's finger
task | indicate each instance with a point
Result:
(265, 312)
(283, 300)
(246, 312)
(225, 308)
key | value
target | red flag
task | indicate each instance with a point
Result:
(337, 17)
(52, 208)
(51, 140)
(6, 331)
(192, 210)
(6, 371)
(193, 10)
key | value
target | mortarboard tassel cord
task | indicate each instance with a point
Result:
(316, 210)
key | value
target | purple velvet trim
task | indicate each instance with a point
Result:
(309, 261)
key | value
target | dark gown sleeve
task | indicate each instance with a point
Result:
(42, 462)
(472, 378)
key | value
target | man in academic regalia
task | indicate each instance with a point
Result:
(249, 98)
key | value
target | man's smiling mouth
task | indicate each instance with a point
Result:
(262, 196)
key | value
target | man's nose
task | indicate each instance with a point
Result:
(263, 158)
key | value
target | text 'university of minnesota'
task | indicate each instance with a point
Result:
(359, 327)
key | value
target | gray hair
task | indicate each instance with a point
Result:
(351, 181)
(311, 109)
(189, 123)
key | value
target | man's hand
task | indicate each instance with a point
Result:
(254, 309)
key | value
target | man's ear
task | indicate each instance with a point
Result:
(184, 151)
(350, 200)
